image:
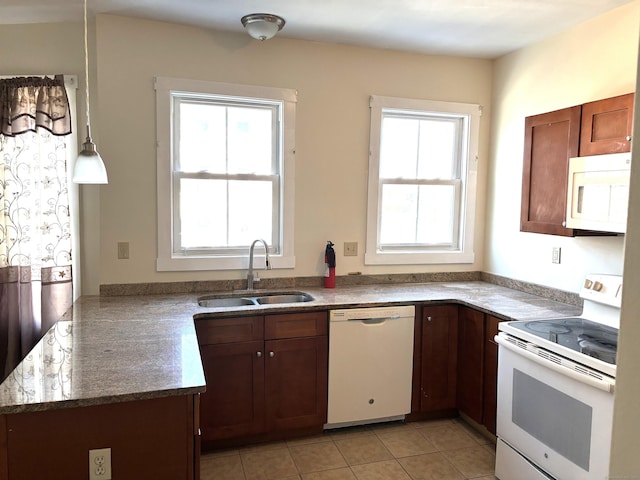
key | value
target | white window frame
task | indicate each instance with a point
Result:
(466, 185)
(167, 259)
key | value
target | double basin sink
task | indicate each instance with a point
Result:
(253, 298)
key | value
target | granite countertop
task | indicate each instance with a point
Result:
(115, 349)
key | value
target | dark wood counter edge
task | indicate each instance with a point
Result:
(110, 399)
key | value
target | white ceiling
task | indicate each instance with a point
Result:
(478, 28)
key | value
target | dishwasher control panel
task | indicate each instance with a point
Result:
(373, 312)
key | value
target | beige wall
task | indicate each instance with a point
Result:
(597, 59)
(625, 461)
(594, 60)
(334, 83)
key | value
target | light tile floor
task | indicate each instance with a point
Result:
(431, 450)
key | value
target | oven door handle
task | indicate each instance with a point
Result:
(564, 370)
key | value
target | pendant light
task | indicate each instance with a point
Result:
(89, 167)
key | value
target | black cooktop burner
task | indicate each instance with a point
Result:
(584, 336)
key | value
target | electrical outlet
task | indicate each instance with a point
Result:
(123, 250)
(100, 464)
(555, 255)
(350, 249)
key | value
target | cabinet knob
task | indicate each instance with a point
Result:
(271, 354)
(259, 354)
(564, 224)
(629, 137)
(428, 319)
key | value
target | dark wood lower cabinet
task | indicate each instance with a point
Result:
(233, 404)
(490, 374)
(153, 438)
(260, 388)
(471, 339)
(296, 383)
(455, 364)
(438, 385)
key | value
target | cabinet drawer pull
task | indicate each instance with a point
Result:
(259, 354)
(271, 354)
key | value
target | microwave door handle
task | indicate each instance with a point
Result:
(594, 382)
(580, 199)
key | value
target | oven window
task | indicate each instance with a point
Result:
(559, 421)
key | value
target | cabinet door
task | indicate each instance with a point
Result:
(490, 374)
(607, 126)
(439, 358)
(296, 382)
(550, 140)
(470, 362)
(233, 404)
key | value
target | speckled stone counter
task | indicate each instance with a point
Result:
(114, 349)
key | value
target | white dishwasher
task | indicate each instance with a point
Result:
(370, 365)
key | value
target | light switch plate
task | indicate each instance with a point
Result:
(350, 249)
(123, 250)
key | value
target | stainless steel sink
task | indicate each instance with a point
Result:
(257, 298)
(225, 302)
(284, 298)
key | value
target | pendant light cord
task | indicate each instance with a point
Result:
(86, 68)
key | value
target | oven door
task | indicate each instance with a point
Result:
(554, 421)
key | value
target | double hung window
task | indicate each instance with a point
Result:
(422, 181)
(225, 173)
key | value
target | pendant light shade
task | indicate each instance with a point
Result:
(262, 26)
(89, 167)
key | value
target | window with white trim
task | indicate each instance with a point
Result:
(225, 173)
(422, 181)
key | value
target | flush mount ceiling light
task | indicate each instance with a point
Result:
(262, 26)
(89, 167)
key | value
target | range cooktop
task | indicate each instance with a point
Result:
(584, 341)
(578, 334)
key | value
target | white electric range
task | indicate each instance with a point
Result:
(555, 390)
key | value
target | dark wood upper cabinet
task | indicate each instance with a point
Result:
(550, 140)
(607, 126)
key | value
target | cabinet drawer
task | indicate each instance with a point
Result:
(292, 325)
(229, 330)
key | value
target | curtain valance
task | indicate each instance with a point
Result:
(27, 103)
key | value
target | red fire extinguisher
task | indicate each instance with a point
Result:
(330, 266)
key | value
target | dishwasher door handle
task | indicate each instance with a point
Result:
(373, 321)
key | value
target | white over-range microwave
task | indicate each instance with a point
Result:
(598, 193)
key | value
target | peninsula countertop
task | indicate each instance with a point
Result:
(116, 349)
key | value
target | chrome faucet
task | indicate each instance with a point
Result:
(267, 265)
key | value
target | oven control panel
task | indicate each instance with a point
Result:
(600, 288)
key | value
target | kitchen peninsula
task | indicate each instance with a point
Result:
(125, 373)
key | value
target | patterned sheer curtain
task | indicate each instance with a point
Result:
(35, 231)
